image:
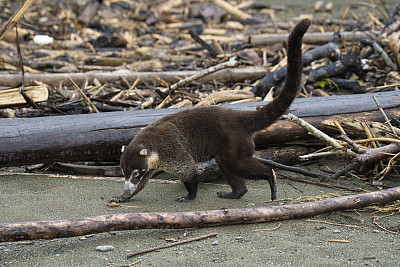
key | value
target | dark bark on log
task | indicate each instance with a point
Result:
(176, 220)
(100, 136)
(331, 49)
(352, 85)
(350, 63)
(287, 154)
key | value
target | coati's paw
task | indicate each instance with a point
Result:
(116, 199)
(229, 195)
(183, 199)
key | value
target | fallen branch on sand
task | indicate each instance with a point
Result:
(166, 220)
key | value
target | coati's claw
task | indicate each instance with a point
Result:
(116, 199)
(229, 195)
(183, 199)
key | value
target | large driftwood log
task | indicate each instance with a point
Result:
(100, 136)
(167, 220)
(312, 37)
(236, 74)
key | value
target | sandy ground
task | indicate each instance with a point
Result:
(294, 243)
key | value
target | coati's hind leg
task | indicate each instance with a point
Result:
(239, 162)
(237, 184)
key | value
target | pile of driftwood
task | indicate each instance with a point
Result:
(124, 55)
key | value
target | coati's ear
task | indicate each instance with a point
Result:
(123, 149)
(143, 152)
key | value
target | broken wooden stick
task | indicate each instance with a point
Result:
(312, 37)
(317, 133)
(201, 74)
(176, 220)
(15, 17)
(129, 255)
(378, 49)
(291, 168)
(11, 97)
(232, 10)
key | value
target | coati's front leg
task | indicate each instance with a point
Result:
(183, 166)
(188, 176)
(191, 187)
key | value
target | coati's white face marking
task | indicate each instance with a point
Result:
(123, 149)
(143, 152)
(153, 161)
(130, 187)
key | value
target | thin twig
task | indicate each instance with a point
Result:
(198, 39)
(337, 224)
(378, 49)
(324, 184)
(348, 168)
(129, 255)
(353, 144)
(232, 10)
(323, 154)
(375, 220)
(337, 124)
(317, 133)
(126, 265)
(268, 229)
(387, 168)
(84, 96)
(15, 17)
(292, 169)
(384, 115)
(21, 66)
(201, 74)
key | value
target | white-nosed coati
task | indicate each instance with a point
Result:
(176, 142)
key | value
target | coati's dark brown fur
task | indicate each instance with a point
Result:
(176, 142)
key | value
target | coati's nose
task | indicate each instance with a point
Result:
(129, 186)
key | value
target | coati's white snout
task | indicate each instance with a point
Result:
(130, 187)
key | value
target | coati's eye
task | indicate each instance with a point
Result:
(135, 173)
(143, 152)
